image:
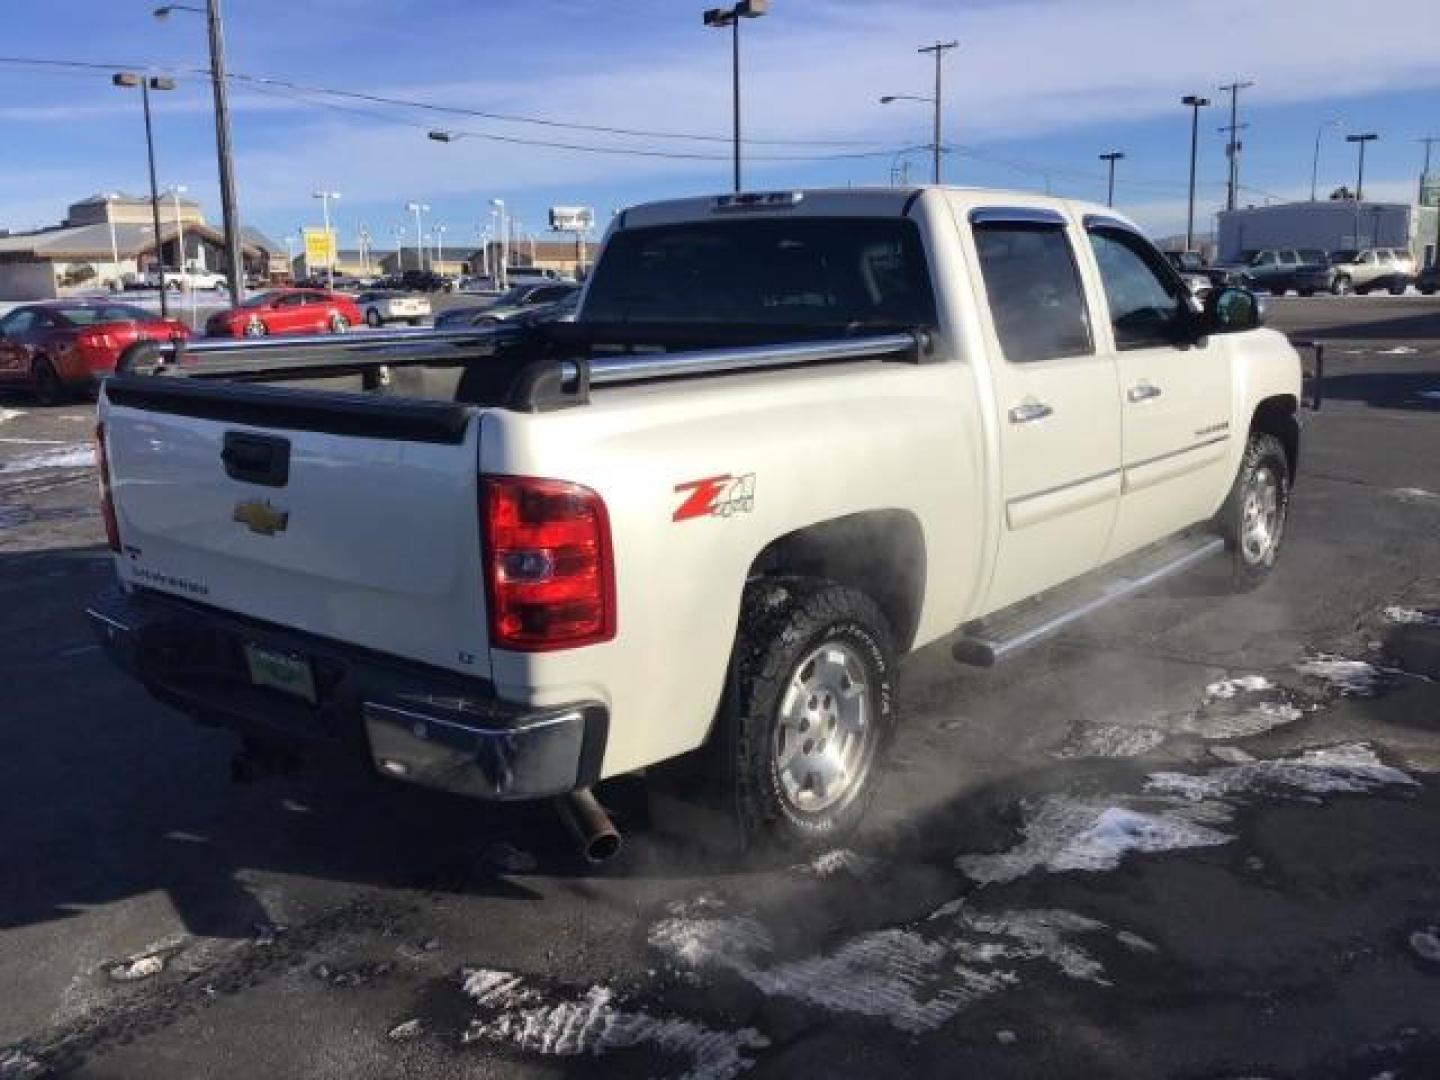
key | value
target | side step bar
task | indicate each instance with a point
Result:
(1002, 635)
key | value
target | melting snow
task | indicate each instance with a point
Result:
(1426, 944)
(68, 456)
(594, 1024)
(1416, 495)
(1398, 350)
(1115, 741)
(135, 970)
(839, 861)
(16, 1065)
(9, 414)
(1228, 688)
(1411, 617)
(1349, 768)
(1062, 833)
(916, 979)
(1348, 678)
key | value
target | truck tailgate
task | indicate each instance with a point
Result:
(367, 539)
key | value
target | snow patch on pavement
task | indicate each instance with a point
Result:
(916, 979)
(1226, 689)
(1347, 678)
(1404, 616)
(10, 414)
(839, 861)
(1253, 719)
(596, 1024)
(65, 456)
(1415, 495)
(1350, 768)
(1064, 833)
(1114, 741)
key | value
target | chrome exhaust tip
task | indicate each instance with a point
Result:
(594, 832)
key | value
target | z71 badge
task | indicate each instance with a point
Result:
(716, 496)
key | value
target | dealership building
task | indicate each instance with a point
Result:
(107, 240)
(1332, 225)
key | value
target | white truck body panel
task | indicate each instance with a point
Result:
(383, 548)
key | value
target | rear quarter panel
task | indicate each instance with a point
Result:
(819, 444)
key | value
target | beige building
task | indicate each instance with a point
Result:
(108, 241)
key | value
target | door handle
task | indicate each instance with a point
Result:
(1144, 392)
(1030, 410)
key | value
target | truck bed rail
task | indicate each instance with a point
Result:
(525, 368)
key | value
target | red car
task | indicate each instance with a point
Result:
(286, 311)
(61, 345)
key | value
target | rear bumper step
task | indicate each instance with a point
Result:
(418, 724)
(1008, 632)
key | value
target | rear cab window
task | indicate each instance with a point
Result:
(827, 275)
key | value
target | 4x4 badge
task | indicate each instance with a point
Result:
(261, 517)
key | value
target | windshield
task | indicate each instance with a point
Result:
(830, 273)
(1349, 255)
(90, 314)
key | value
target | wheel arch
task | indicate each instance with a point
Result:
(1279, 416)
(878, 552)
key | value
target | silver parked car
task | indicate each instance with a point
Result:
(1362, 270)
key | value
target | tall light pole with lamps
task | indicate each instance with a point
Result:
(720, 18)
(1361, 140)
(936, 101)
(1195, 103)
(215, 29)
(417, 209)
(110, 197)
(146, 83)
(498, 206)
(325, 197)
(440, 246)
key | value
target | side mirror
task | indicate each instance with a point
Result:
(1232, 311)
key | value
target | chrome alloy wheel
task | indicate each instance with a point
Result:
(824, 740)
(1260, 520)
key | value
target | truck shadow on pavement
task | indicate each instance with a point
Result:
(1408, 390)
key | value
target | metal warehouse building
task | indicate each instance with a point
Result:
(1329, 225)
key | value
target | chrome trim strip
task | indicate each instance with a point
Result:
(541, 724)
(114, 624)
(1062, 487)
(620, 369)
(1176, 453)
(1016, 215)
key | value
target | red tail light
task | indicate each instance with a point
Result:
(95, 341)
(107, 501)
(549, 571)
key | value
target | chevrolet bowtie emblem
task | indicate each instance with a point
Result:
(261, 517)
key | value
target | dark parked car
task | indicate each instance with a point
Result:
(519, 301)
(423, 281)
(1281, 270)
(1428, 280)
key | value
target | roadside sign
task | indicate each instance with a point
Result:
(575, 219)
(319, 247)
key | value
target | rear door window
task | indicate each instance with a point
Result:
(1033, 284)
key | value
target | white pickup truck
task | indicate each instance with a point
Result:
(791, 437)
(188, 278)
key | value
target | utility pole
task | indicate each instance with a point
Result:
(940, 48)
(1232, 148)
(330, 245)
(1315, 161)
(1112, 157)
(1196, 103)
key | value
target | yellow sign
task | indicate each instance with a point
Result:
(319, 247)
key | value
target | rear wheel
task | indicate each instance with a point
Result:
(809, 711)
(1255, 513)
(256, 328)
(49, 390)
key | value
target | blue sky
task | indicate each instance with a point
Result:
(1036, 91)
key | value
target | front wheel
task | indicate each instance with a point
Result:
(1255, 513)
(1397, 288)
(1341, 286)
(339, 323)
(373, 320)
(256, 328)
(809, 711)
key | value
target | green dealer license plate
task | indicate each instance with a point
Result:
(288, 674)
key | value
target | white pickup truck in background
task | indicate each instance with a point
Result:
(171, 278)
(791, 437)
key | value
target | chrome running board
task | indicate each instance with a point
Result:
(1000, 636)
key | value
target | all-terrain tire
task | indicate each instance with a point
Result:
(1256, 511)
(785, 624)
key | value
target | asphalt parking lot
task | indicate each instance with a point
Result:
(1196, 838)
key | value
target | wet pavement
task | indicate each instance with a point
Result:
(1195, 838)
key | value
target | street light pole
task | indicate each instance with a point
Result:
(498, 205)
(1315, 164)
(1368, 137)
(1196, 103)
(940, 48)
(129, 80)
(731, 16)
(1112, 157)
(417, 209)
(110, 198)
(325, 197)
(440, 247)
